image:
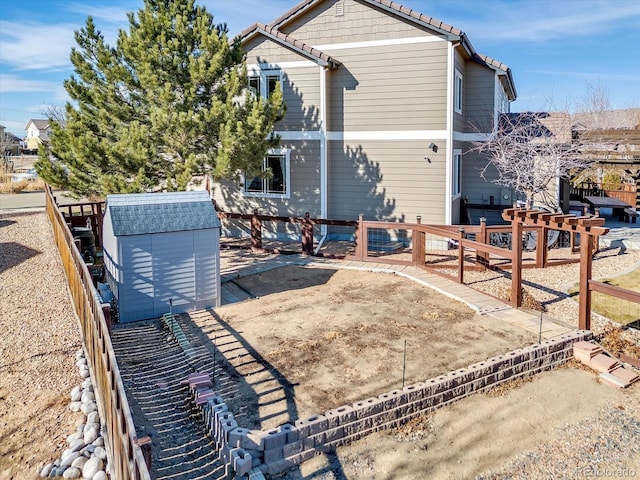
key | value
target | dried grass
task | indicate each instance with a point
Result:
(504, 388)
(23, 186)
(613, 340)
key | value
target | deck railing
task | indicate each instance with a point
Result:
(126, 457)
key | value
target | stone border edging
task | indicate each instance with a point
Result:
(244, 451)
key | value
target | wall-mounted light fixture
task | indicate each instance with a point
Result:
(433, 147)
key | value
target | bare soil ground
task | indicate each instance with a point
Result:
(332, 337)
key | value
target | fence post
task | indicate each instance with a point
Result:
(461, 236)
(256, 231)
(516, 263)
(482, 258)
(145, 445)
(307, 235)
(541, 247)
(106, 311)
(361, 240)
(584, 307)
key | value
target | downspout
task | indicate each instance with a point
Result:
(449, 139)
(323, 155)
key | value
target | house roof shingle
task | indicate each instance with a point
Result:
(451, 32)
(146, 213)
(40, 124)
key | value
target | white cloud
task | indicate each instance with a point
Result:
(33, 46)
(13, 83)
(539, 21)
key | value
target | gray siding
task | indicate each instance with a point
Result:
(474, 186)
(261, 49)
(207, 263)
(174, 272)
(479, 98)
(359, 23)
(386, 180)
(135, 301)
(301, 89)
(304, 186)
(401, 87)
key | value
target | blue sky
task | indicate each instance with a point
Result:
(556, 48)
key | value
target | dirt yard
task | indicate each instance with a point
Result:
(317, 338)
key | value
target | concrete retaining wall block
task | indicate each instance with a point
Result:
(290, 431)
(339, 416)
(291, 449)
(311, 425)
(241, 461)
(274, 438)
(273, 455)
(367, 407)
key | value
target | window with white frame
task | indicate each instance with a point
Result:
(457, 92)
(262, 83)
(274, 180)
(456, 174)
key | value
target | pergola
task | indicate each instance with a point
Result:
(589, 228)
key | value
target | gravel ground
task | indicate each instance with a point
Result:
(40, 337)
(549, 286)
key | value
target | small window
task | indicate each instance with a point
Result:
(456, 174)
(277, 182)
(254, 85)
(272, 82)
(457, 94)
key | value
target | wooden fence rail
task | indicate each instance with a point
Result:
(126, 457)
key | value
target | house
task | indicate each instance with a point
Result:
(10, 143)
(611, 139)
(161, 253)
(38, 132)
(382, 101)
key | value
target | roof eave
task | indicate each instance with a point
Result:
(265, 30)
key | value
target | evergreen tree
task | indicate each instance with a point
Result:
(167, 103)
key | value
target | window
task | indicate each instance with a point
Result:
(272, 82)
(254, 85)
(457, 93)
(263, 83)
(456, 174)
(276, 183)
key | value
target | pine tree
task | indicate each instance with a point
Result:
(169, 102)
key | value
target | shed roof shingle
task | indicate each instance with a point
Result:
(146, 213)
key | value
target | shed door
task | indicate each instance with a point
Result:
(173, 272)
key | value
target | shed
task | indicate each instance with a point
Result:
(161, 248)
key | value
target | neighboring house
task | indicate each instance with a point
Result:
(612, 140)
(9, 142)
(161, 253)
(382, 101)
(38, 132)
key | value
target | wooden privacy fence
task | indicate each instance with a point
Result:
(126, 457)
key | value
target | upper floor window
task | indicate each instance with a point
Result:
(275, 178)
(457, 92)
(456, 174)
(263, 83)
